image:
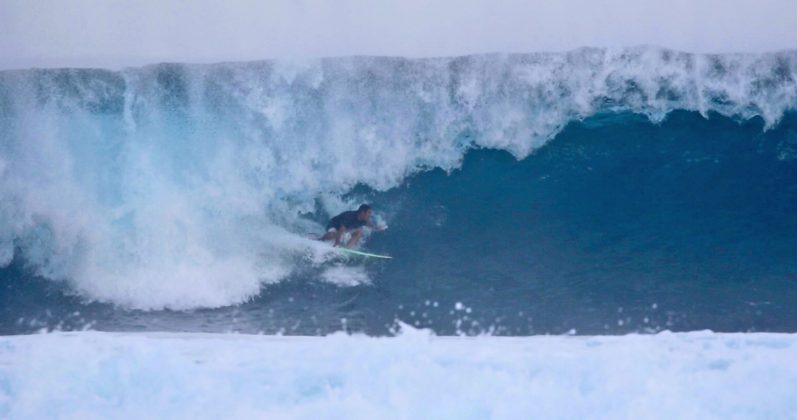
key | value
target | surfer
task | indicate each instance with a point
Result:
(350, 221)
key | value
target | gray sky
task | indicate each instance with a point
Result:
(116, 33)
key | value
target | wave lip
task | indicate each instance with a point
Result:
(181, 186)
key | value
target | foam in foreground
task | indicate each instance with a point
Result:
(415, 375)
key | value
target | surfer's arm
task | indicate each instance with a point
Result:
(376, 228)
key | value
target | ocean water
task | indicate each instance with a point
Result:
(589, 192)
(601, 232)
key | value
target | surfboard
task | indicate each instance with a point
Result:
(361, 254)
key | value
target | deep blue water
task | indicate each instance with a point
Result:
(616, 225)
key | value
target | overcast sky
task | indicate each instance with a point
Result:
(116, 33)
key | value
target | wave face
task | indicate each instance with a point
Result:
(193, 186)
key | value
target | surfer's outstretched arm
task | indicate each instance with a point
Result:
(376, 228)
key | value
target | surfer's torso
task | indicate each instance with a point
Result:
(347, 219)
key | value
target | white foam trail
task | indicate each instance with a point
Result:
(342, 275)
(183, 186)
(416, 375)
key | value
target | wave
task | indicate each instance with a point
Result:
(182, 186)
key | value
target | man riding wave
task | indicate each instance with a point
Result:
(350, 221)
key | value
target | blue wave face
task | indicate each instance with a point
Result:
(189, 187)
(617, 225)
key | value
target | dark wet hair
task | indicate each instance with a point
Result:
(363, 208)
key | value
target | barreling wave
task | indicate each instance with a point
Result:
(183, 186)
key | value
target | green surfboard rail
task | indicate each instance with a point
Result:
(362, 254)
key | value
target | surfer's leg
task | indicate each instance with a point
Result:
(355, 237)
(339, 234)
(329, 235)
(333, 234)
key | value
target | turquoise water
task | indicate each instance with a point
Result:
(525, 194)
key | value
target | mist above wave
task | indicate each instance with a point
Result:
(91, 34)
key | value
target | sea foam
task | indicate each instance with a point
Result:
(414, 375)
